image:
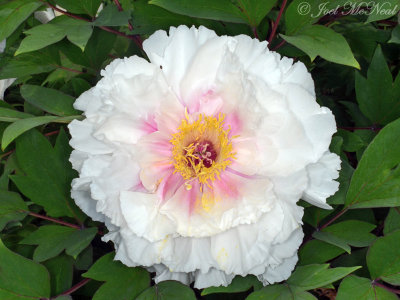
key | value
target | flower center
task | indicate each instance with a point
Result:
(202, 149)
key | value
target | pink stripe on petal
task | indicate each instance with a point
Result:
(233, 122)
(192, 195)
(243, 175)
(149, 125)
(226, 186)
(169, 186)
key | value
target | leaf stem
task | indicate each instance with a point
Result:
(373, 128)
(283, 42)
(333, 219)
(337, 216)
(69, 69)
(386, 287)
(272, 35)
(134, 38)
(53, 220)
(75, 287)
(120, 9)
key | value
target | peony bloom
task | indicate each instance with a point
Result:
(196, 159)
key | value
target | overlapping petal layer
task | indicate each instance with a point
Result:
(196, 159)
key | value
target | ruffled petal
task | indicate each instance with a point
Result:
(321, 182)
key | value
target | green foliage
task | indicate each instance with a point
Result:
(12, 208)
(378, 96)
(239, 284)
(383, 258)
(354, 287)
(121, 282)
(21, 277)
(167, 290)
(319, 40)
(47, 177)
(50, 250)
(376, 181)
(12, 14)
(53, 239)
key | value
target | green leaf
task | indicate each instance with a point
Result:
(40, 37)
(376, 181)
(353, 287)
(49, 100)
(166, 290)
(21, 276)
(98, 47)
(17, 128)
(392, 221)
(323, 41)
(316, 251)
(111, 16)
(12, 208)
(378, 96)
(26, 65)
(332, 239)
(345, 174)
(315, 276)
(395, 35)
(13, 14)
(89, 7)
(351, 141)
(353, 232)
(53, 239)
(383, 258)
(121, 282)
(48, 175)
(383, 10)
(148, 18)
(222, 10)
(61, 273)
(11, 115)
(299, 14)
(239, 284)
(280, 292)
(78, 32)
(256, 10)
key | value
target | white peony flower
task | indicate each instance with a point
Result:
(196, 159)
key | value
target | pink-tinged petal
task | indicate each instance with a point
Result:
(149, 125)
(227, 186)
(233, 122)
(154, 158)
(207, 103)
(169, 115)
(169, 185)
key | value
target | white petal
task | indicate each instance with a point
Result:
(321, 182)
(44, 16)
(141, 214)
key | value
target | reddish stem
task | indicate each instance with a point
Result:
(69, 69)
(271, 37)
(120, 9)
(333, 219)
(283, 42)
(75, 287)
(373, 128)
(53, 220)
(52, 133)
(135, 39)
(6, 154)
(386, 287)
(254, 29)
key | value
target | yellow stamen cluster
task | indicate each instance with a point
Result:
(185, 151)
